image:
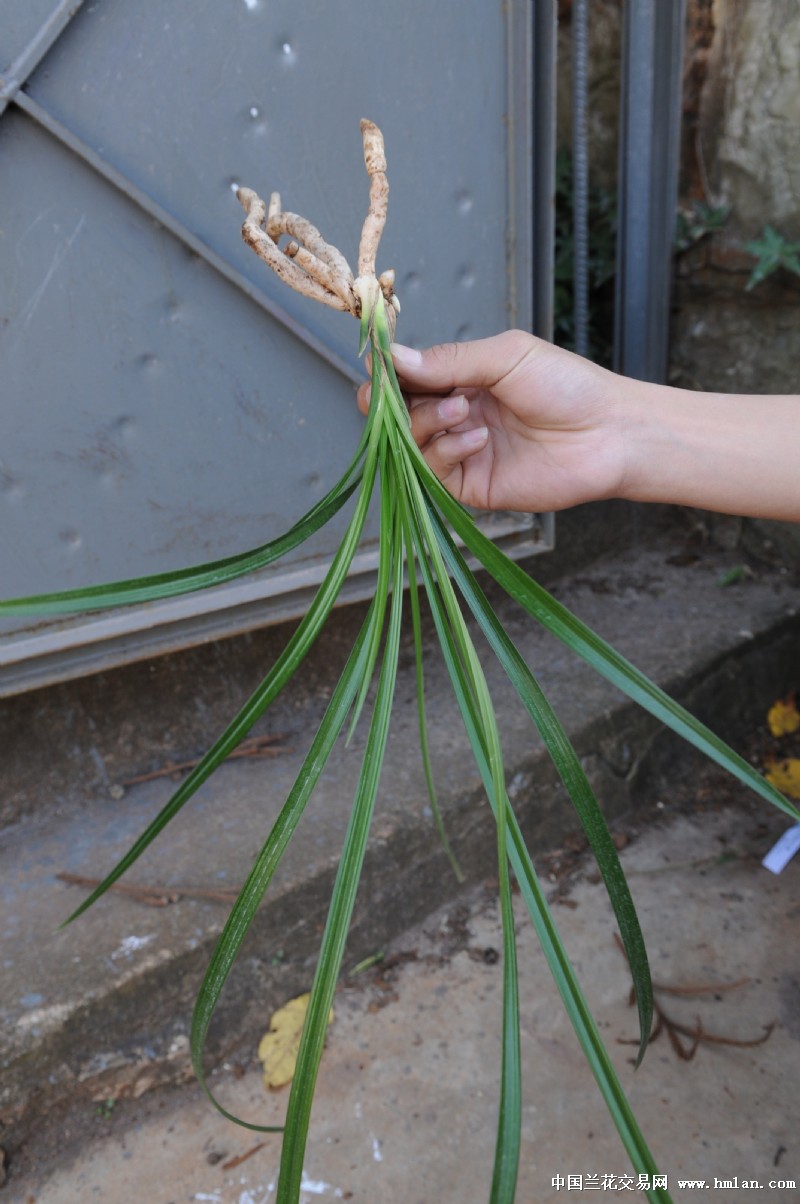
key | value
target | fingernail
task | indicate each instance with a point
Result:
(452, 408)
(406, 356)
(476, 437)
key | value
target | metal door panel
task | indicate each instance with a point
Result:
(154, 415)
(157, 417)
(272, 95)
(20, 23)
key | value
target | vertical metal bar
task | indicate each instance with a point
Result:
(543, 100)
(652, 58)
(580, 176)
(519, 142)
(633, 184)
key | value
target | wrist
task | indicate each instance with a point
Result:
(677, 446)
(624, 417)
(647, 437)
(733, 453)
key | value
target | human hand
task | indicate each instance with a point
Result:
(513, 423)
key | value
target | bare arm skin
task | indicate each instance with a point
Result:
(512, 422)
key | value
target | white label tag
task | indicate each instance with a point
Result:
(783, 850)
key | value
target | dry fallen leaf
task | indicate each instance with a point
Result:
(277, 1050)
(785, 776)
(783, 717)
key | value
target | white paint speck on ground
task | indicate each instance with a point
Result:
(131, 945)
(317, 1187)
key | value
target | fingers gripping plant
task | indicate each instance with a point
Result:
(418, 522)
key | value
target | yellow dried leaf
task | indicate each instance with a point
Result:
(783, 717)
(277, 1050)
(785, 776)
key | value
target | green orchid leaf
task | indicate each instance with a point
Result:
(572, 775)
(202, 576)
(449, 619)
(419, 659)
(558, 960)
(261, 874)
(284, 668)
(381, 585)
(341, 906)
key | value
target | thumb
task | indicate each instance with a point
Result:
(477, 364)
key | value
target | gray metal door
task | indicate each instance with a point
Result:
(165, 401)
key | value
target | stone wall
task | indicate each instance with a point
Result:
(750, 114)
(741, 151)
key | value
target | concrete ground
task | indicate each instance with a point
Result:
(407, 1097)
(94, 1020)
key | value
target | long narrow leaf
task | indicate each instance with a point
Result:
(509, 1126)
(557, 958)
(580, 1014)
(416, 624)
(286, 664)
(260, 876)
(198, 577)
(341, 908)
(555, 953)
(381, 584)
(613, 666)
(572, 775)
(509, 1121)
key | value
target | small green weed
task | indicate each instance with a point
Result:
(698, 221)
(772, 251)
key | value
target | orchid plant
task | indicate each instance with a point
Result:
(422, 532)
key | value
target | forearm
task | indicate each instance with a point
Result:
(733, 453)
